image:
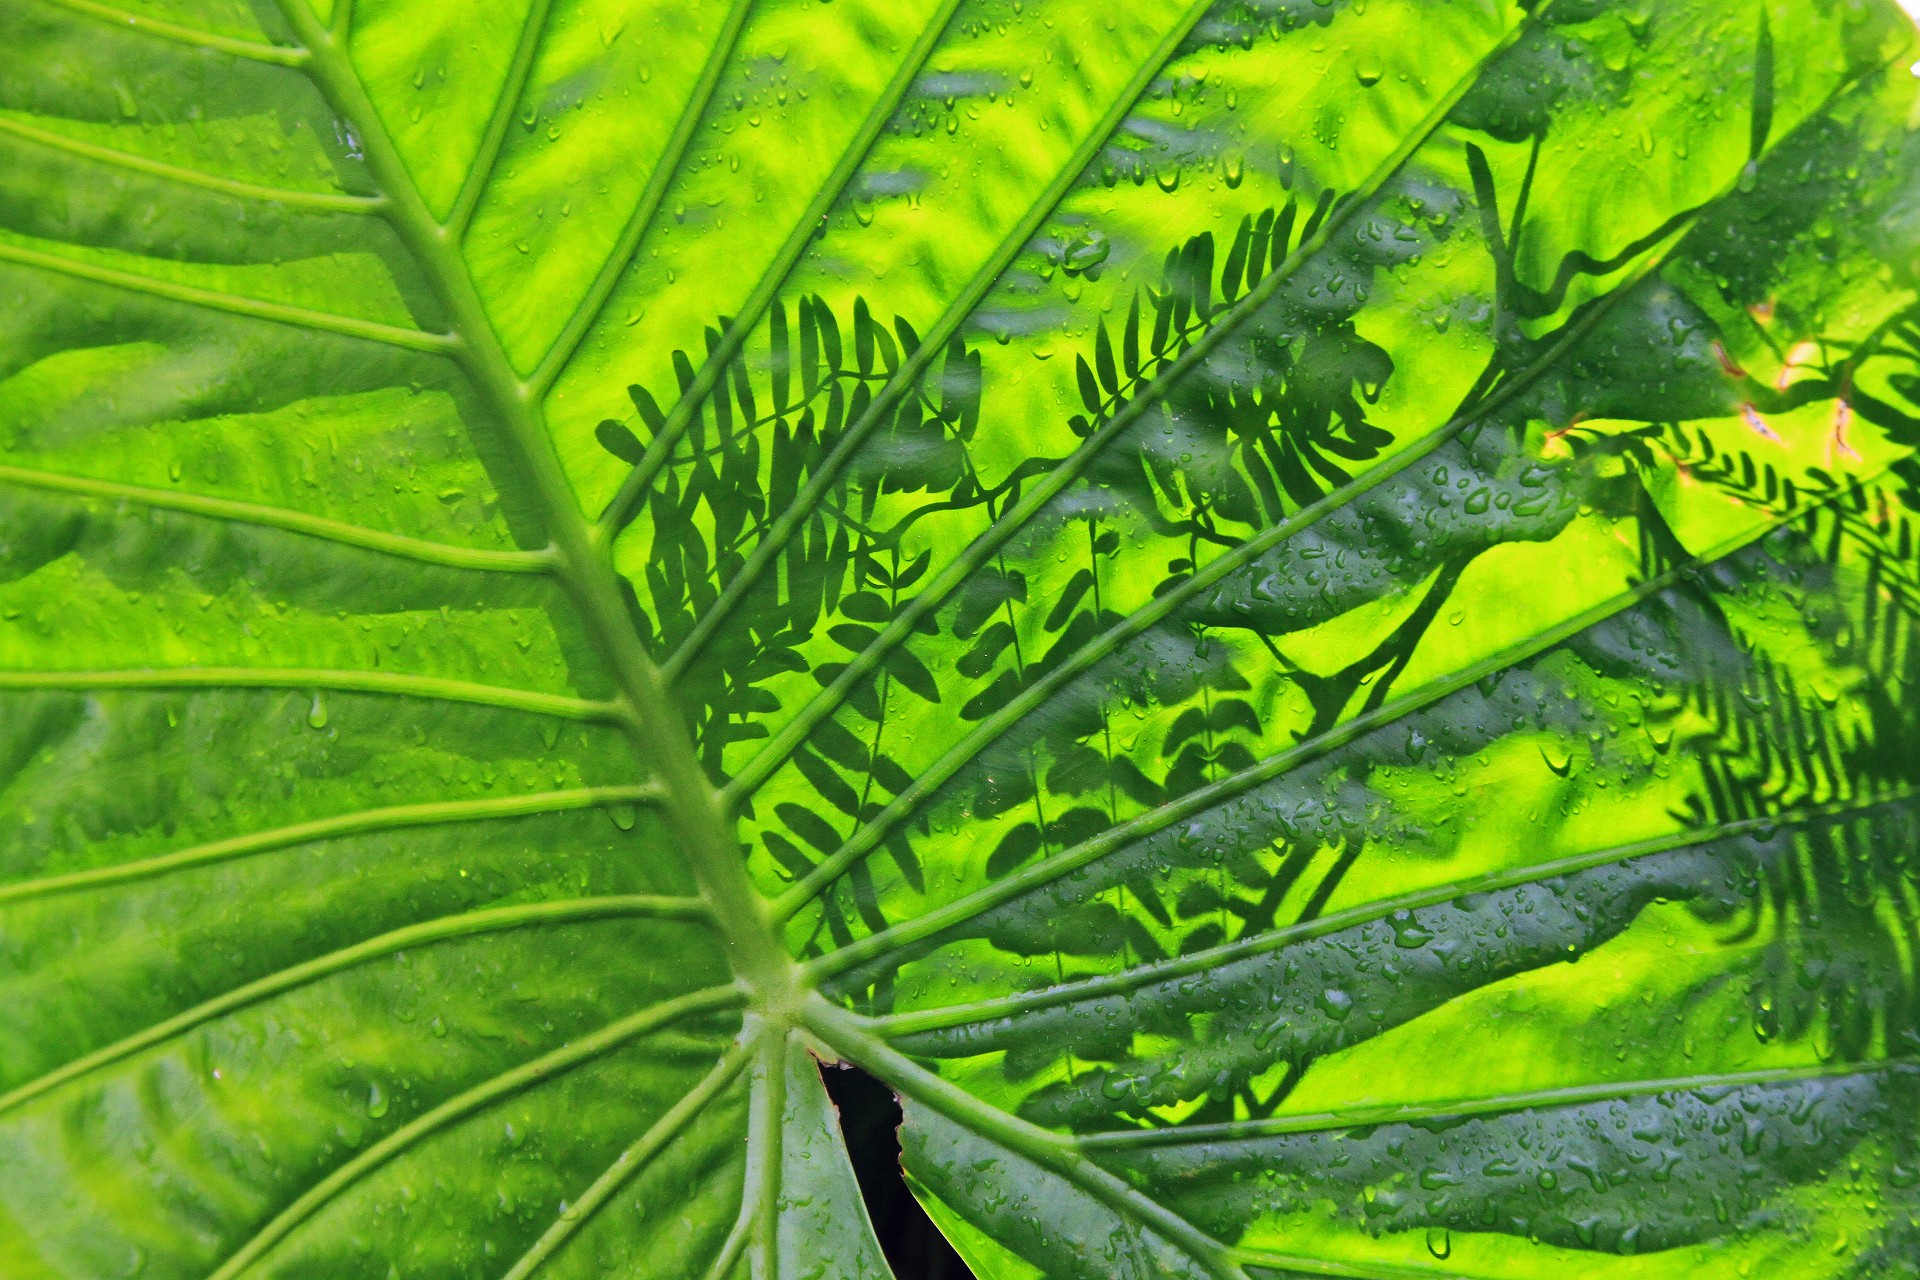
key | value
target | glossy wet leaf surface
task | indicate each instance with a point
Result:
(1296, 618)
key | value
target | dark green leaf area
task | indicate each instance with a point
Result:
(1468, 495)
(247, 563)
(1062, 1228)
(1515, 98)
(1235, 1021)
(1277, 412)
(1623, 1175)
(1650, 356)
(1428, 522)
(1834, 187)
(1256, 835)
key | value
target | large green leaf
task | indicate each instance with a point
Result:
(1299, 619)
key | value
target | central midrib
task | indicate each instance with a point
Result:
(692, 806)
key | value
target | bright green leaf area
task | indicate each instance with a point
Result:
(1298, 619)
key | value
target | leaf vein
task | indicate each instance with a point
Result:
(325, 201)
(159, 28)
(567, 911)
(365, 822)
(595, 300)
(253, 513)
(1280, 763)
(783, 743)
(381, 682)
(1212, 958)
(482, 1096)
(233, 304)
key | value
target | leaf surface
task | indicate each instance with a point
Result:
(1296, 620)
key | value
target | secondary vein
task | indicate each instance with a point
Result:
(319, 201)
(480, 172)
(381, 682)
(232, 303)
(159, 28)
(523, 915)
(823, 480)
(659, 452)
(474, 1100)
(635, 230)
(635, 1157)
(843, 1033)
(1277, 765)
(365, 822)
(1496, 1104)
(1212, 958)
(254, 513)
(982, 548)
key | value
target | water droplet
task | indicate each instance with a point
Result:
(376, 1101)
(317, 713)
(1407, 931)
(1440, 1242)
(623, 815)
(1336, 1003)
(1367, 71)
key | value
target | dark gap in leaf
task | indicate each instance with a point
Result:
(870, 1125)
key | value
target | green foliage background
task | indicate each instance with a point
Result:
(1297, 618)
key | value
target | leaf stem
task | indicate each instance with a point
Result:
(844, 1033)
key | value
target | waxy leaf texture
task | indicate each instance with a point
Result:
(1299, 620)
